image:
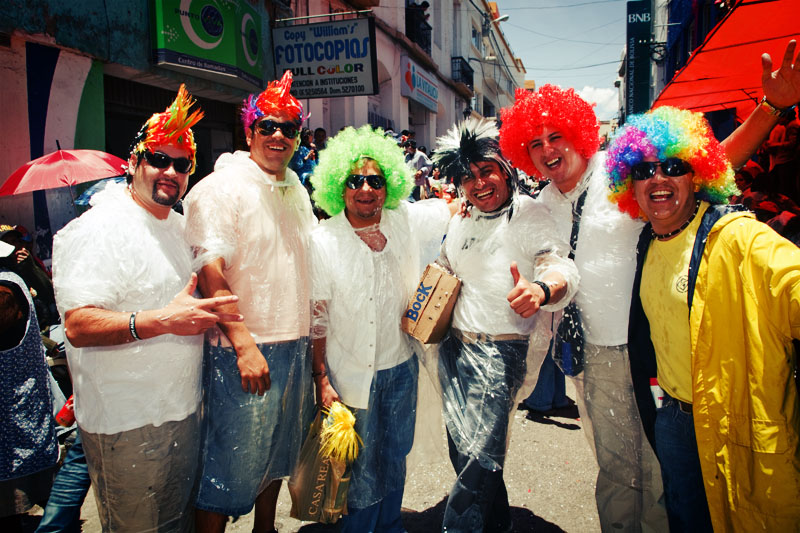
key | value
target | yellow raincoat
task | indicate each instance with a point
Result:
(745, 313)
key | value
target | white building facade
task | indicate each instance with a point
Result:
(436, 64)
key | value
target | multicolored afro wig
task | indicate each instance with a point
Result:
(471, 141)
(173, 126)
(348, 148)
(662, 133)
(276, 98)
(550, 106)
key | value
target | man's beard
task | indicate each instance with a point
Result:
(169, 201)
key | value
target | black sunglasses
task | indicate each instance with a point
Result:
(356, 181)
(268, 127)
(671, 167)
(161, 160)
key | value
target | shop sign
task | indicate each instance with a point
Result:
(213, 39)
(328, 59)
(418, 84)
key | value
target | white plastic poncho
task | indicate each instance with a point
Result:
(260, 228)
(481, 380)
(117, 256)
(605, 256)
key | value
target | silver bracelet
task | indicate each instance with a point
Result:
(132, 326)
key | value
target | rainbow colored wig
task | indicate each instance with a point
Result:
(276, 98)
(172, 126)
(550, 106)
(348, 148)
(662, 133)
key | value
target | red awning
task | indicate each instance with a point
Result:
(725, 71)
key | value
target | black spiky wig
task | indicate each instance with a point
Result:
(468, 142)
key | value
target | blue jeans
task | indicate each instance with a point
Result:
(386, 428)
(248, 439)
(63, 510)
(551, 388)
(676, 448)
(383, 517)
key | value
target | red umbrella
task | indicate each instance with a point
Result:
(61, 169)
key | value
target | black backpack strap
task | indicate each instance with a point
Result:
(577, 210)
(710, 217)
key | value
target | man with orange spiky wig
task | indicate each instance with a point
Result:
(124, 287)
(248, 223)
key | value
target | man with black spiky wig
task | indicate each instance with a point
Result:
(503, 240)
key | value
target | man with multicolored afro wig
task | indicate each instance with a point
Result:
(514, 271)
(552, 133)
(365, 267)
(716, 304)
(124, 286)
(248, 223)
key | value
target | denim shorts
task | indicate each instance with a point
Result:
(250, 440)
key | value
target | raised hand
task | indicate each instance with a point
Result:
(782, 87)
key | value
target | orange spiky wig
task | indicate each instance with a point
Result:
(172, 126)
(275, 98)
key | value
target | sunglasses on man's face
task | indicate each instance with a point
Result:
(269, 127)
(356, 181)
(671, 167)
(162, 161)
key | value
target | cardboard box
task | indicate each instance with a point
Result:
(430, 309)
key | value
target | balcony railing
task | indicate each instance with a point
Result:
(377, 121)
(462, 72)
(417, 28)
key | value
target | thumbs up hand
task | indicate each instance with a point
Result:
(526, 297)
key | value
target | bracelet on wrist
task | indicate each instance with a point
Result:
(319, 374)
(546, 288)
(132, 326)
(775, 111)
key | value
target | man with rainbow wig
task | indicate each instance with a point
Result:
(124, 286)
(552, 133)
(366, 264)
(716, 304)
(248, 223)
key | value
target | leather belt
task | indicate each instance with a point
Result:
(683, 406)
(468, 337)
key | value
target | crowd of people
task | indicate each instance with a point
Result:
(200, 346)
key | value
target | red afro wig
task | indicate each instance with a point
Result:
(550, 106)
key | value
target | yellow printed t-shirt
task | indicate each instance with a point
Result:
(664, 292)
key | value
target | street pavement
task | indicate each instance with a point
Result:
(550, 475)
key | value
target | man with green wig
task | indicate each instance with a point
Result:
(366, 263)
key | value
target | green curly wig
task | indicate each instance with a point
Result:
(344, 151)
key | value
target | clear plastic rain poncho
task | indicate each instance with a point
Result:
(481, 378)
(118, 257)
(361, 292)
(259, 227)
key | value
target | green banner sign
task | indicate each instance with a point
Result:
(213, 39)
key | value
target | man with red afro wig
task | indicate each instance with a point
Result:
(553, 133)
